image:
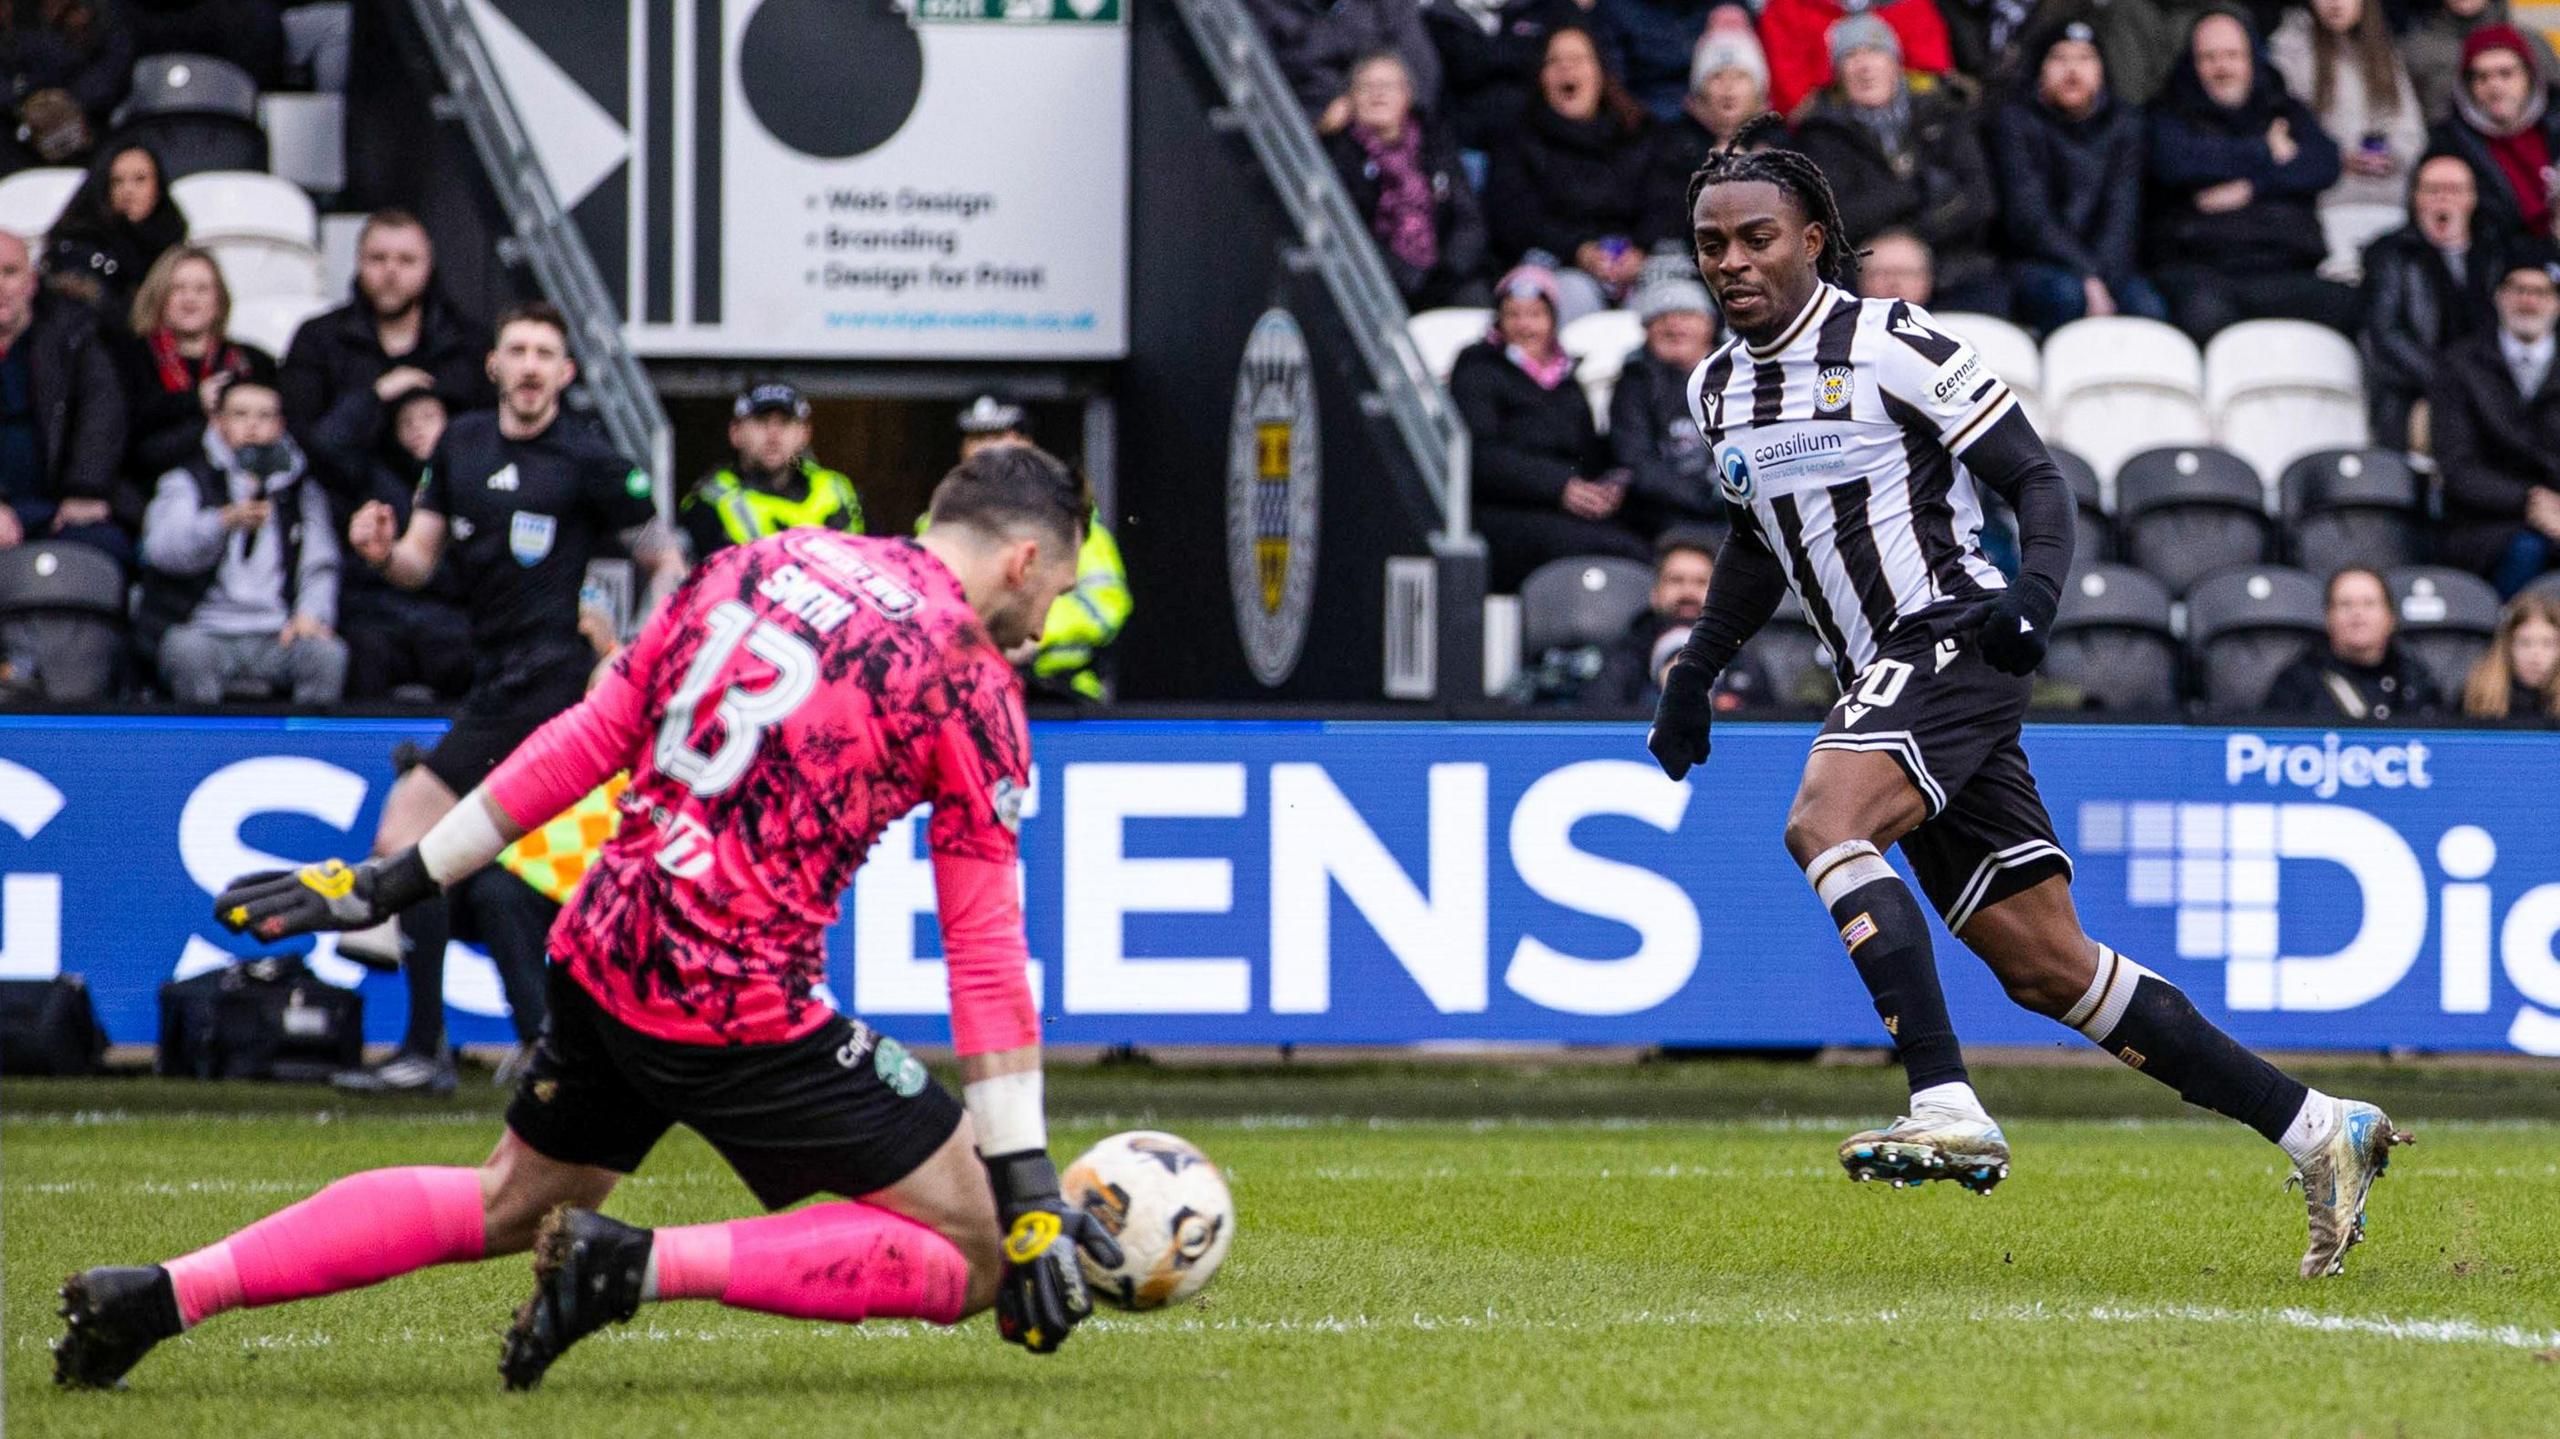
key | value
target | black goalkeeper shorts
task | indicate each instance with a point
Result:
(842, 1110)
(1951, 721)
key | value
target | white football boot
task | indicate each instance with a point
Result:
(2336, 1180)
(1967, 1148)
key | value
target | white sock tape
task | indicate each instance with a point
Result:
(1843, 868)
(2101, 1025)
(1007, 1110)
(462, 842)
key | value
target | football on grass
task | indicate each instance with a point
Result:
(1166, 1204)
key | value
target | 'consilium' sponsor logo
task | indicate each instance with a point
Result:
(2326, 767)
(1274, 479)
(1797, 446)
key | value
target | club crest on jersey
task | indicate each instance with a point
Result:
(529, 537)
(1831, 391)
(1733, 472)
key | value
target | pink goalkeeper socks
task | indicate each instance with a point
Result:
(843, 1262)
(361, 1230)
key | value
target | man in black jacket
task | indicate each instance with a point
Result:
(1903, 161)
(2237, 165)
(2495, 410)
(397, 334)
(1671, 473)
(2070, 160)
(1631, 668)
(62, 417)
(2426, 287)
(2360, 674)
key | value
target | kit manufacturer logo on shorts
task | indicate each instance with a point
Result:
(529, 537)
(1831, 390)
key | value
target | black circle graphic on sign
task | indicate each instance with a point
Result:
(831, 78)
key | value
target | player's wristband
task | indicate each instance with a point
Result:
(400, 881)
(1008, 1114)
(462, 842)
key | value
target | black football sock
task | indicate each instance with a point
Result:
(425, 927)
(1888, 939)
(2152, 1026)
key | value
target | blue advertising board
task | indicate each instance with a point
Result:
(1247, 882)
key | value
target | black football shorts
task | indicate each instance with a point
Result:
(842, 1110)
(1951, 721)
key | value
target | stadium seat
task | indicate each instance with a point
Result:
(2116, 385)
(1600, 344)
(307, 139)
(2347, 229)
(2009, 351)
(269, 321)
(200, 113)
(2352, 507)
(2114, 638)
(2245, 624)
(2447, 618)
(31, 200)
(1580, 600)
(2093, 533)
(1441, 334)
(2188, 511)
(262, 229)
(62, 611)
(1792, 654)
(2280, 389)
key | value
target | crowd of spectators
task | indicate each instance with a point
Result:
(2390, 171)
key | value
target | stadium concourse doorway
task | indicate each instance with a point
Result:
(894, 446)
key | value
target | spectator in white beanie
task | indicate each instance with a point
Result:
(1728, 85)
(1671, 481)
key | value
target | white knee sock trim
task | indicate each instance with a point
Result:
(1846, 867)
(2097, 989)
(2119, 996)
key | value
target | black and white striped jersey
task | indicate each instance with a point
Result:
(1836, 448)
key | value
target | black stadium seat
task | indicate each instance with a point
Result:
(2114, 640)
(2186, 511)
(1792, 653)
(2447, 618)
(2093, 537)
(199, 112)
(2352, 507)
(2245, 624)
(62, 612)
(1580, 600)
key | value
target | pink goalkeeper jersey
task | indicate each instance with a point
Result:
(796, 696)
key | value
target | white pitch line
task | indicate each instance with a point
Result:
(2406, 1330)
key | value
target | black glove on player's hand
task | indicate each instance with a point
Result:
(2017, 626)
(1040, 1297)
(1681, 718)
(275, 904)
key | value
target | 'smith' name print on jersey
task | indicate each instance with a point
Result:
(1836, 446)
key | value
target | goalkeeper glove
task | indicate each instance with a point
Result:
(1040, 1295)
(275, 904)
(1681, 718)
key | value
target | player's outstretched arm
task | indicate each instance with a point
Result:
(1040, 1294)
(275, 904)
(1740, 598)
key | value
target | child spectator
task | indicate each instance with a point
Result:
(2519, 678)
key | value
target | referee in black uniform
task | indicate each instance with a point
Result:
(522, 497)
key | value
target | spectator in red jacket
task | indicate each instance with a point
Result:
(1797, 35)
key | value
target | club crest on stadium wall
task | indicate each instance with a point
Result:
(1274, 478)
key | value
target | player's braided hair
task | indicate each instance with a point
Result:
(1789, 170)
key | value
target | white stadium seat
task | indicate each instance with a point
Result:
(262, 229)
(2009, 351)
(2347, 229)
(268, 321)
(31, 200)
(1441, 334)
(1600, 343)
(2281, 389)
(2117, 385)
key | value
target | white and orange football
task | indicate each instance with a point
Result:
(1166, 1204)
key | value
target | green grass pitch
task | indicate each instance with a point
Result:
(1657, 1249)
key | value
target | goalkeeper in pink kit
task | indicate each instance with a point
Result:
(794, 698)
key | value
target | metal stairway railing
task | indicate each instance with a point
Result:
(548, 240)
(1335, 243)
